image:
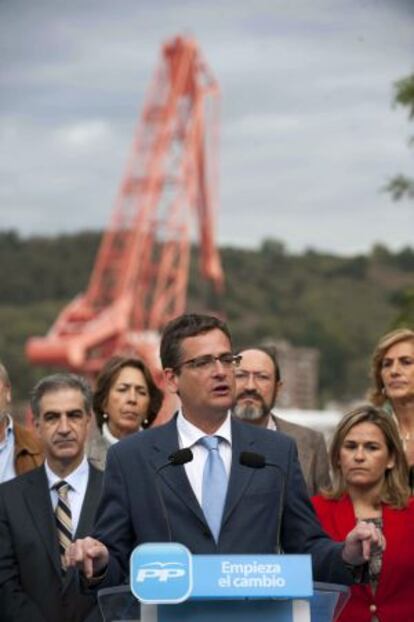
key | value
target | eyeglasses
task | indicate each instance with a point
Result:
(258, 376)
(207, 362)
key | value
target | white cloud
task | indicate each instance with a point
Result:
(83, 135)
(308, 135)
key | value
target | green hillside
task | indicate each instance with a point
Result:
(339, 305)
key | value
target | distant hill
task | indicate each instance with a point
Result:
(339, 305)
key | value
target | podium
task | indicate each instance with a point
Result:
(169, 584)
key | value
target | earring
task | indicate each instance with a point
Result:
(145, 422)
(105, 417)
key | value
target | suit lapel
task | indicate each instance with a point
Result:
(90, 502)
(240, 476)
(344, 517)
(87, 515)
(174, 477)
(40, 508)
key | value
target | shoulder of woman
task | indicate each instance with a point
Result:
(320, 501)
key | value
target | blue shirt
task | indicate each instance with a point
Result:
(7, 470)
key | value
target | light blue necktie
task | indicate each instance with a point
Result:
(214, 485)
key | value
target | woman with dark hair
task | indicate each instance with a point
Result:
(392, 371)
(369, 483)
(126, 400)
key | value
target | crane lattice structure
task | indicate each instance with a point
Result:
(139, 280)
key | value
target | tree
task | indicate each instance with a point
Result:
(401, 186)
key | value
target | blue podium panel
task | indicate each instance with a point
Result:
(161, 573)
(251, 576)
(229, 611)
(167, 573)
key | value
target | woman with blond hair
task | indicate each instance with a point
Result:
(369, 483)
(392, 371)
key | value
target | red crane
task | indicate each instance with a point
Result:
(139, 280)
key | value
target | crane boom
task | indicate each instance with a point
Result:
(139, 279)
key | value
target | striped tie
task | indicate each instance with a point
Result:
(63, 517)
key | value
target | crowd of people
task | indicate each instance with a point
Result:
(94, 477)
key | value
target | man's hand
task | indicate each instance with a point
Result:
(88, 555)
(358, 543)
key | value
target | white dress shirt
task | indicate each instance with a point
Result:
(188, 436)
(7, 470)
(78, 481)
(107, 434)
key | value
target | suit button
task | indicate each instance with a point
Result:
(373, 608)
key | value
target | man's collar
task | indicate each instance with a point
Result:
(190, 434)
(271, 422)
(8, 421)
(7, 430)
(73, 479)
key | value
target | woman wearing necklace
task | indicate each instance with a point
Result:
(369, 483)
(393, 390)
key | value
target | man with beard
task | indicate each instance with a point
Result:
(257, 384)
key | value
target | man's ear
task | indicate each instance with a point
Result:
(36, 425)
(278, 386)
(171, 380)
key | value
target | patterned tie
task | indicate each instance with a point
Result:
(63, 517)
(214, 485)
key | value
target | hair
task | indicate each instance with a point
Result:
(376, 394)
(182, 327)
(4, 376)
(271, 352)
(108, 376)
(395, 490)
(56, 382)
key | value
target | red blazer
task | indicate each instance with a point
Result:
(394, 598)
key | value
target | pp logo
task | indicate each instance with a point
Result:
(161, 573)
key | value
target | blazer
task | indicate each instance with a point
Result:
(393, 599)
(28, 452)
(313, 456)
(145, 499)
(31, 583)
(97, 448)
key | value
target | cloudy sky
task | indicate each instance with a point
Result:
(308, 132)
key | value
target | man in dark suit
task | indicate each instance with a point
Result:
(37, 519)
(147, 498)
(258, 380)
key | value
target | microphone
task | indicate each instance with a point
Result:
(181, 456)
(177, 458)
(252, 460)
(258, 461)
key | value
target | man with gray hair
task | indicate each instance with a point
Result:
(20, 449)
(43, 510)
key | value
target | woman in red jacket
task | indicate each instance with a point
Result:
(369, 483)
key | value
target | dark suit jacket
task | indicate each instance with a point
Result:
(313, 456)
(31, 585)
(131, 510)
